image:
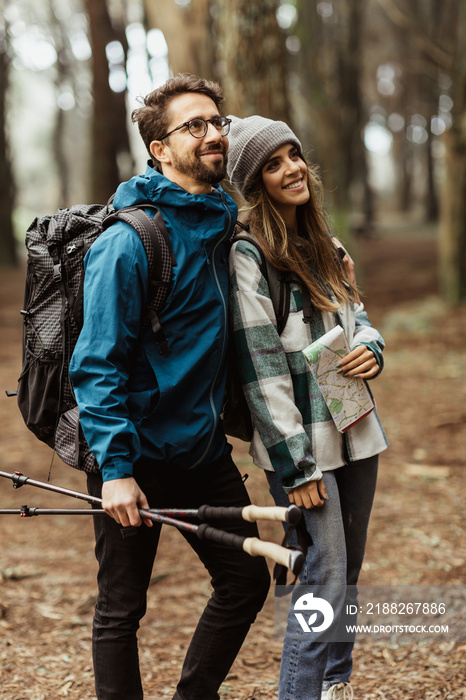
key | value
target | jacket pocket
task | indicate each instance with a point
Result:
(141, 404)
(71, 445)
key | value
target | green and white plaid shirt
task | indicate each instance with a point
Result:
(294, 433)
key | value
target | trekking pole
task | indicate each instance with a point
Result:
(251, 513)
(19, 480)
(290, 558)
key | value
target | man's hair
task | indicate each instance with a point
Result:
(152, 118)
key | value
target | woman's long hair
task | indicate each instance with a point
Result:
(309, 252)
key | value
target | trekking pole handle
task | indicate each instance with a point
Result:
(292, 559)
(254, 547)
(291, 515)
(251, 513)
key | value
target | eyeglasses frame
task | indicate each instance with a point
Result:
(206, 122)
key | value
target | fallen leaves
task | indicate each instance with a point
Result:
(416, 536)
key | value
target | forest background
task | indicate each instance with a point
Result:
(376, 91)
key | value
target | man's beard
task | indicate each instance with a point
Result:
(202, 172)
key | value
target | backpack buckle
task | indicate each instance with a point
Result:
(163, 347)
(53, 252)
(57, 272)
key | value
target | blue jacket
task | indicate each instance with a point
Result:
(132, 402)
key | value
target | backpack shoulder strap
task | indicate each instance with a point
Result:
(160, 257)
(278, 281)
(306, 297)
(279, 285)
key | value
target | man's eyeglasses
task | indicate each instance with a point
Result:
(198, 127)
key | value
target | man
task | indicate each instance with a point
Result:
(152, 420)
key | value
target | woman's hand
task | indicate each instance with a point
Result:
(360, 362)
(312, 494)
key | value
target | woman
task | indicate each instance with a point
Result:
(332, 476)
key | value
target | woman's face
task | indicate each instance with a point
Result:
(285, 178)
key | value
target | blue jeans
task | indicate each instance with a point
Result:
(339, 532)
(240, 584)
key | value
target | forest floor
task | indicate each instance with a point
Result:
(416, 537)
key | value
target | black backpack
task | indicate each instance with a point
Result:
(53, 317)
(236, 416)
(53, 314)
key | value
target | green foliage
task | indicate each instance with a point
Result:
(340, 225)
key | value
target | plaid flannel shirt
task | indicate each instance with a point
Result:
(294, 433)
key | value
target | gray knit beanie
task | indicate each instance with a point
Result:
(252, 141)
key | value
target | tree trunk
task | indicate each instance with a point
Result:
(254, 58)
(314, 101)
(353, 159)
(432, 209)
(438, 39)
(330, 75)
(8, 253)
(404, 180)
(452, 243)
(110, 141)
(188, 33)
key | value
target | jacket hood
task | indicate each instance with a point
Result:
(155, 187)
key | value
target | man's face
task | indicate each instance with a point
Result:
(193, 163)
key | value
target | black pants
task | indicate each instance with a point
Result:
(240, 584)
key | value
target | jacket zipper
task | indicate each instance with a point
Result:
(225, 327)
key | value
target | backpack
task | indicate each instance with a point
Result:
(236, 416)
(53, 314)
(53, 317)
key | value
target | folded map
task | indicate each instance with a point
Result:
(348, 399)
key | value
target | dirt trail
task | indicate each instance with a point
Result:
(47, 567)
